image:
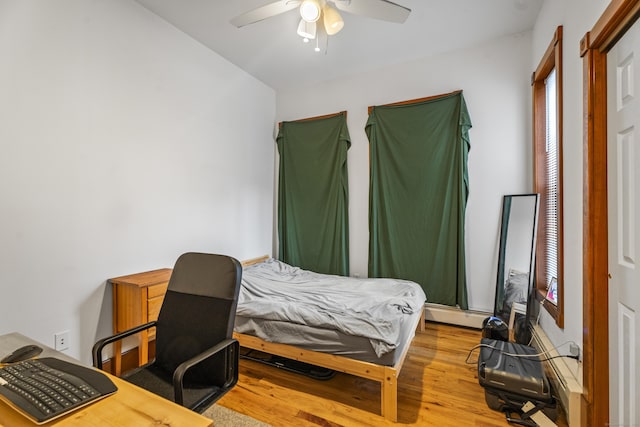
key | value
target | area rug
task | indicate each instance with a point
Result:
(224, 417)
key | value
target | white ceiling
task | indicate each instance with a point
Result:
(271, 50)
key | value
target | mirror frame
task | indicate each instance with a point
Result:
(500, 274)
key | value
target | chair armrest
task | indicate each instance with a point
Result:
(100, 344)
(182, 369)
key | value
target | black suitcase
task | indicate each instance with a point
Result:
(512, 375)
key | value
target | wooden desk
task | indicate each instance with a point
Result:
(130, 406)
(137, 299)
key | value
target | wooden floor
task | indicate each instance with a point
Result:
(435, 388)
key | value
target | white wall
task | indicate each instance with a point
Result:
(495, 78)
(577, 17)
(124, 143)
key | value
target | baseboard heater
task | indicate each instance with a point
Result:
(563, 373)
(454, 316)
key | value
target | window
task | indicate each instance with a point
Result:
(547, 159)
(313, 196)
(419, 184)
(551, 188)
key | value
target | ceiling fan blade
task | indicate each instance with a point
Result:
(378, 9)
(264, 12)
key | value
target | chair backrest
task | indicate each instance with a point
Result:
(198, 310)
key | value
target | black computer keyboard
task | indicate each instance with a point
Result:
(47, 388)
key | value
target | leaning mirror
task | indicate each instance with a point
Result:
(516, 255)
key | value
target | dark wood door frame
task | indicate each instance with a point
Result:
(610, 27)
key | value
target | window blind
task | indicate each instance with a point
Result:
(552, 177)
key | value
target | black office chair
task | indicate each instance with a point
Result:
(196, 359)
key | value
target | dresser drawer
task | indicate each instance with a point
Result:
(153, 308)
(157, 290)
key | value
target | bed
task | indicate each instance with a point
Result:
(275, 318)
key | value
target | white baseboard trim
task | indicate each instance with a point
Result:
(455, 316)
(564, 373)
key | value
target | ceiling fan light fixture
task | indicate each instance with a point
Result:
(333, 22)
(310, 10)
(307, 30)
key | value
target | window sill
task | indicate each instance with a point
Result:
(550, 307)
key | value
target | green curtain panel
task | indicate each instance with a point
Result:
(313, 194)
(418, 194)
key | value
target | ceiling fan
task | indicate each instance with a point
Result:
(312, 10)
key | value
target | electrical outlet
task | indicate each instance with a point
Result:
(574, 350)
(61, 340)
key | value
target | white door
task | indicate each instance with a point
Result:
(623, 175)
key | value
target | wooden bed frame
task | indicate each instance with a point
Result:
(387, 376)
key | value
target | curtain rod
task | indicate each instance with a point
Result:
(415, 101)
(326, 116)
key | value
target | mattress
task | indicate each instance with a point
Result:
(371, 320)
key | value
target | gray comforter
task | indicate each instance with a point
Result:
(371, 308)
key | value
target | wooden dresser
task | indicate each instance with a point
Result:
(136, 300)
